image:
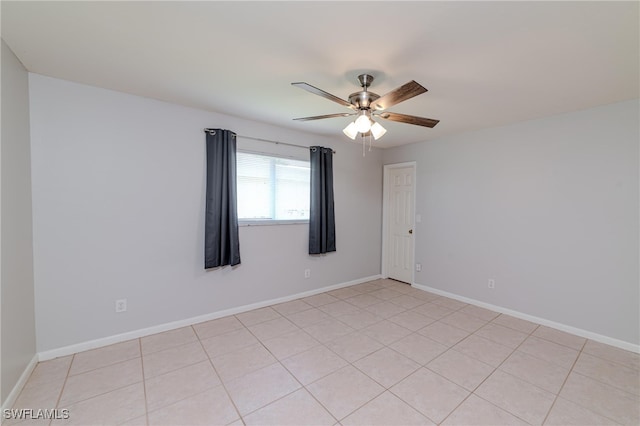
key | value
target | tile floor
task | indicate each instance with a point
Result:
(378, 353)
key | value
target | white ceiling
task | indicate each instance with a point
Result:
(485, 64)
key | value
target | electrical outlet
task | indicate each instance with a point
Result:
(418, 267)
(307, 273)
(491, 283)
(121, 305)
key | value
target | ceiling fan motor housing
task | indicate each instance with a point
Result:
(362, 100)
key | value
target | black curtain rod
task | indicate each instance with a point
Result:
(269, 141)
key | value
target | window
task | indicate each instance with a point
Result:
(272, 188)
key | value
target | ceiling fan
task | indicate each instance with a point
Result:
(367, 105)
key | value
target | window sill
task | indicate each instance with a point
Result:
(269, 222)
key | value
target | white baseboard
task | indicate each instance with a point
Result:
(17, 388)
(110, 340)
(558, 326)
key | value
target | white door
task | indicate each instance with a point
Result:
(400, 223)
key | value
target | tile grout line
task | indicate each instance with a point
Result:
(144, 384)
(217, 374)
(64, 384)
(473, 392)
(565, 381)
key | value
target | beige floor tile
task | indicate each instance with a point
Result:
(43, 396)
(211, 407)
(102, 357)
(419, 348)
(215, 327)
(476, 411)
(161, 362)
(238, 363)
(290, 344)
(431, 394)
(443, 333)
(608, 372)
(386, 409)
(603, 399)
(396, 336)
(320, 299)
(344, 293)
(483, 350)
(168, 339)
(503, 335)
(297, 408)
(411, 320)
(385, 309)
(536, 371)
(407, 302)
(549, 351)
(515, 323)
(385, 294)
(292, 307)
(101, 380)
(22, 420)
(516, 396)
(368, 287)
(433, 311)
(560, 337)
(308, 317)
(228, 342)
(110, 408)
(461, 369)
(354, 346)
(566, 413)
(328, 329)
(179, 384)
(617, 355)
(359, 319)
(261, 387)
(386, 332)
(464, 321)
(363, 300)
(313, 364)
(449, 303)
(478, 312)
(339, 308)
(386, 366)
(421, 294)
(137, 421)
(272, 328)
(344, 391)
(54, 370)
(257, 316)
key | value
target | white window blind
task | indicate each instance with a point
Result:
(272, 188)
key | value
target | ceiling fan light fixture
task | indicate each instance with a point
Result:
(351, 130)
(377, 130)
(363, 123)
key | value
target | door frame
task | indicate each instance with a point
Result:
(385, 217)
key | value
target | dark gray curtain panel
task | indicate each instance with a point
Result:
(322, 224)
(222, 245)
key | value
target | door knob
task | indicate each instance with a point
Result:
(411, 231)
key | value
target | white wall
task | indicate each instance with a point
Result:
(16, 247)
(548, 208)
(118, 200)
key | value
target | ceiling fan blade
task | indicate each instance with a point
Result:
(320, 92)
(320, 117)
(402, 93)
(409, 119)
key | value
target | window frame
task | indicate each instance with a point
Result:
(272, 222)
